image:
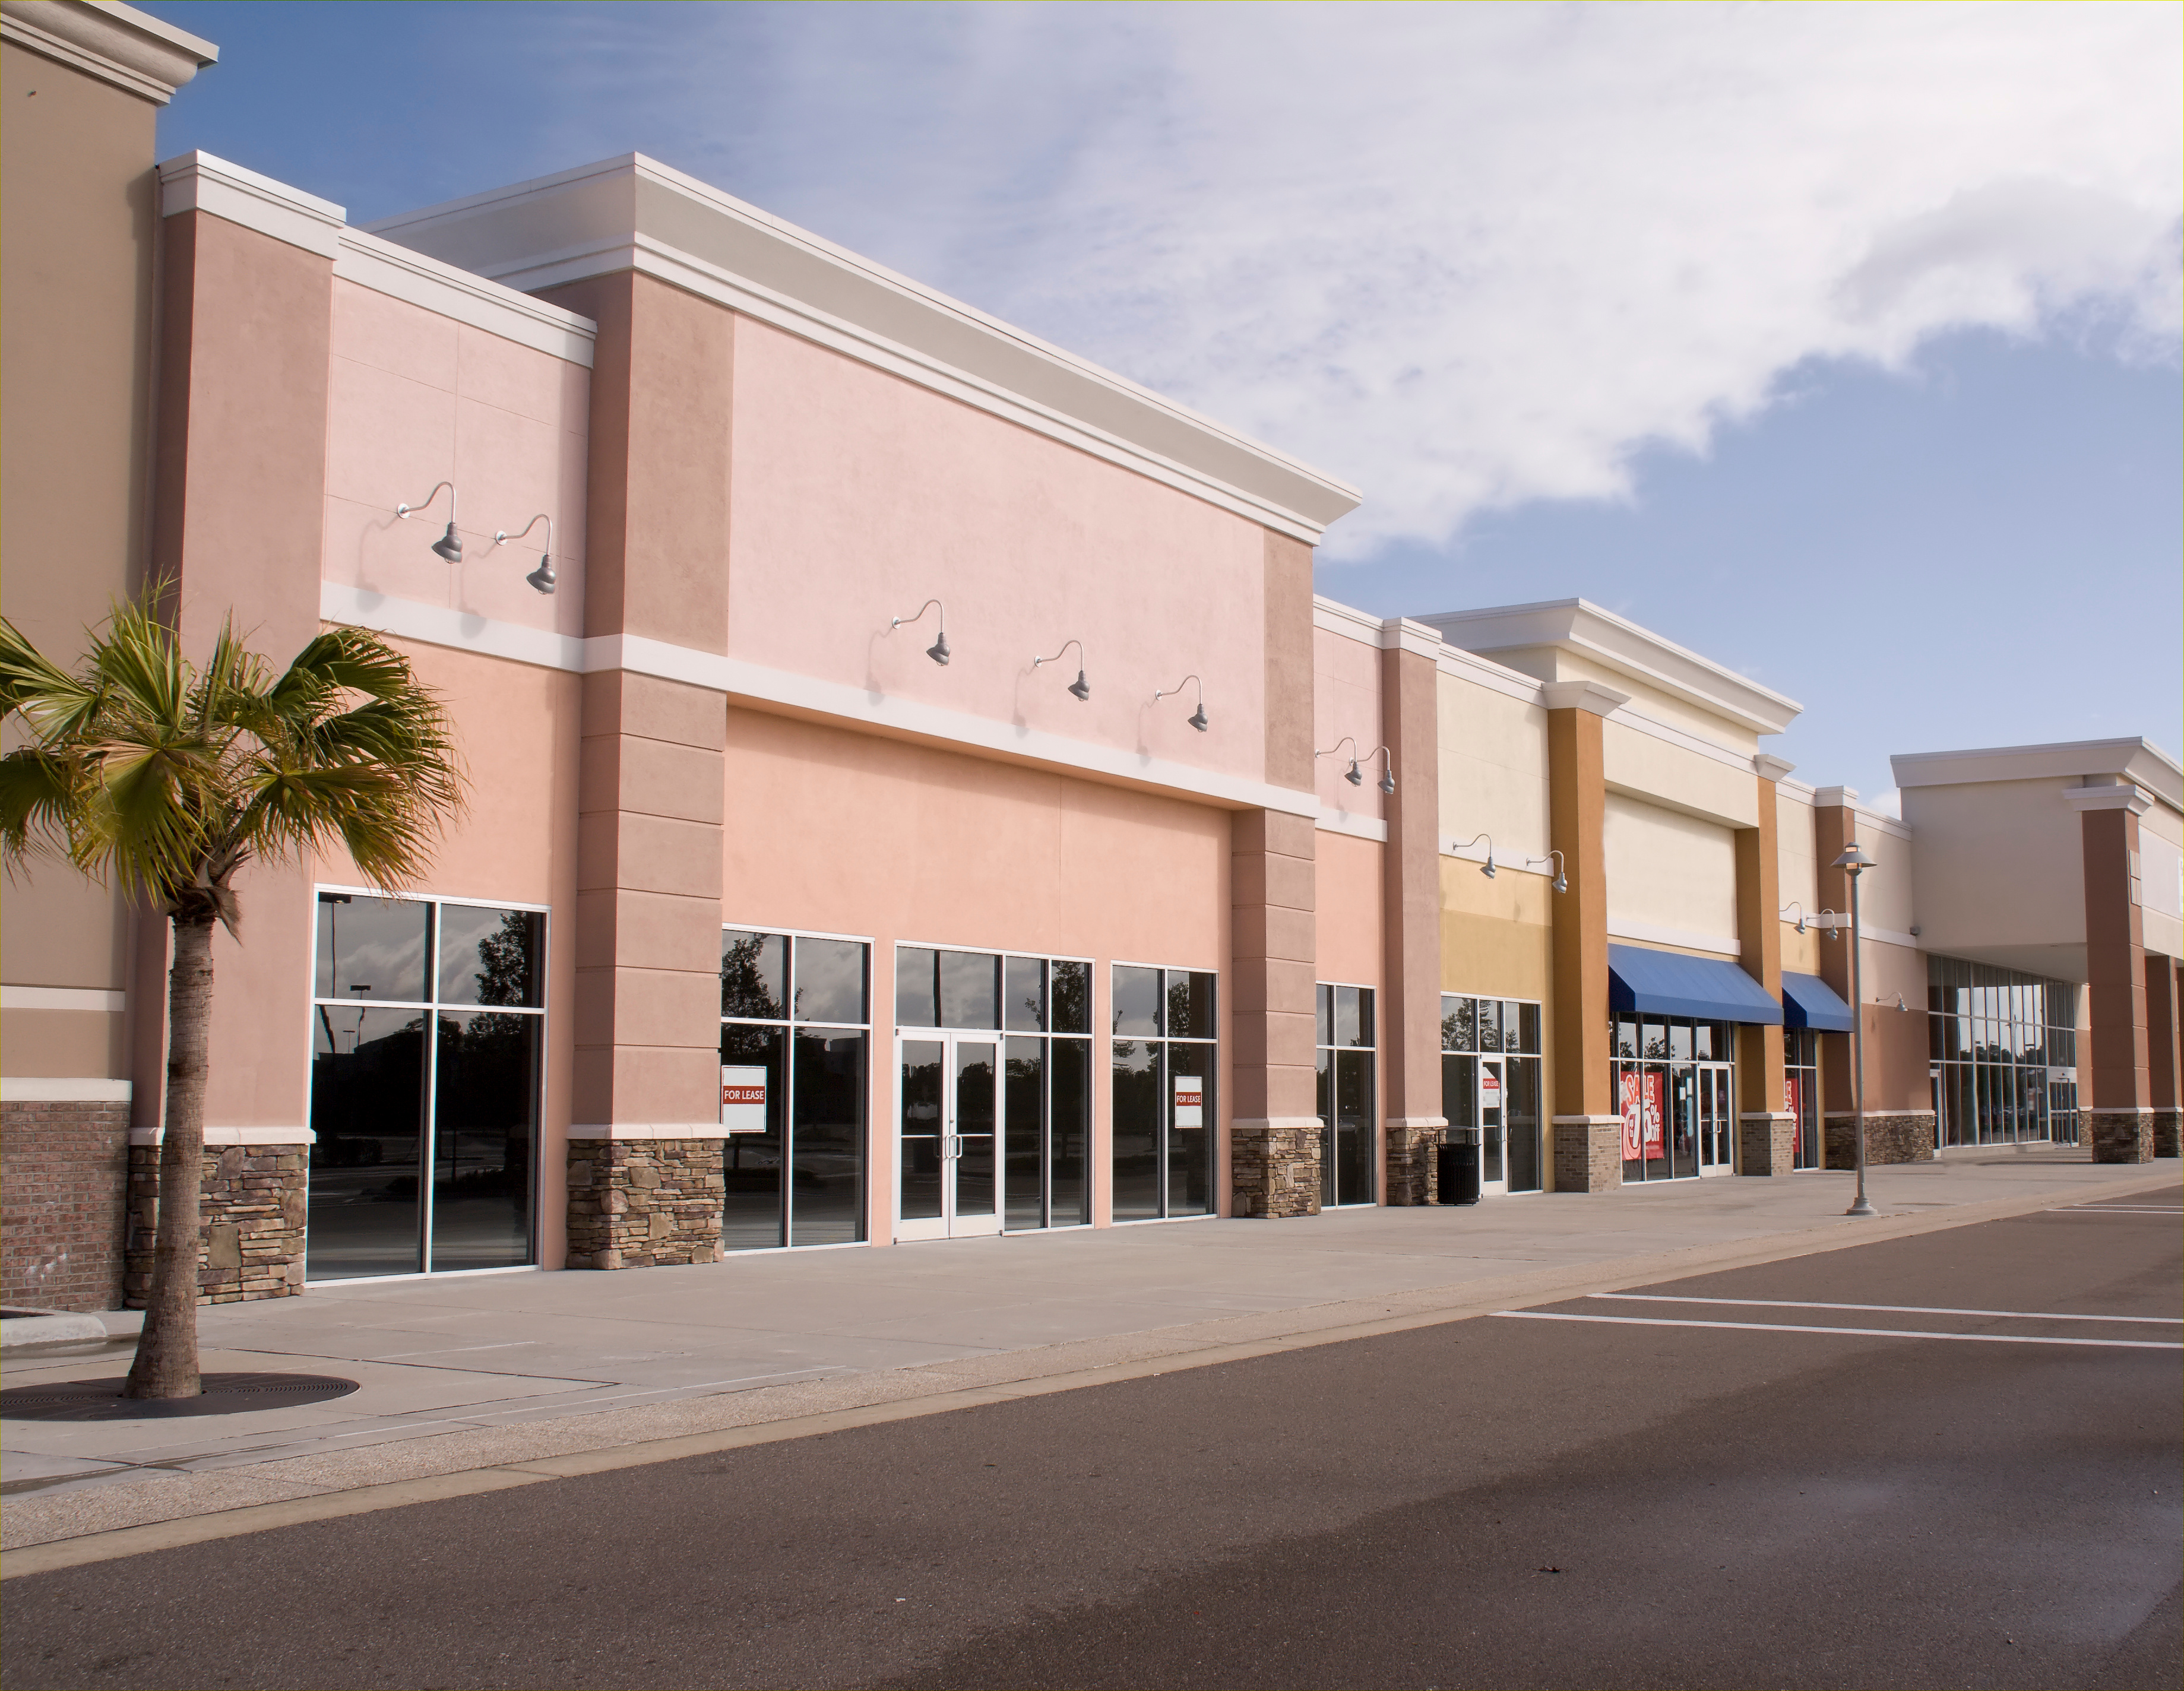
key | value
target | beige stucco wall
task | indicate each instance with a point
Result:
(1798, 878)
(1346, 705)
(1645, 766)
(1669, 871)
(1550, 663)
(1497, 935)
(1493, 768)
(1347, 917)
(2161, 880)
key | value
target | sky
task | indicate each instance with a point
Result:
(1842, 344)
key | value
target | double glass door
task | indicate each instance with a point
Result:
(950, 1109)
(1712, 1122)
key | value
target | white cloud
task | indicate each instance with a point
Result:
(1463, 256)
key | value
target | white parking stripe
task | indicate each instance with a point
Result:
(2113, 1209)
(1853, 1332)
(1879, 1309)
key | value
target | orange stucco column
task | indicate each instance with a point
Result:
(1587, 1134)
(2121, 1121)
(1409, 1010)
(2165, 1061)
(1766, 1131)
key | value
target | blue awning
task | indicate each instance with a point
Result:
(1669, 983)
(1808, 1001)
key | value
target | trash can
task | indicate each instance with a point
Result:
(1456, 1167)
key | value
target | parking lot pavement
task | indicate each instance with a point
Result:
(464, 1374)
(1786, 1487)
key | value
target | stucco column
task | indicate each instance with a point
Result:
(1766, 1133)
(1409, 1010)
(2165, 1052)
(645, 1151)
(1588, 1139)
(1835, 825)
(2120, 1123)
(1274, 1143)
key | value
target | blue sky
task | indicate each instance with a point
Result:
(1841, 344)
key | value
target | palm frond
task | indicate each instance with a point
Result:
(53, 703)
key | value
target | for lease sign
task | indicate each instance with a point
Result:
(1190, 1100)
(743, 1097)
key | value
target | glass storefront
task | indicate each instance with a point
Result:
(994, 1105)
(795, 1027)
(1800, 1092)
(424, 1148)
(1165, 1061)
(1674, 1084)
(1349, 1120)
(2004, 1055)
(1490, 1080)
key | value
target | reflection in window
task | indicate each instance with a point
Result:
(1163, 1104)
(2004, 1055)
(1349, 1121)
(1491, 1082)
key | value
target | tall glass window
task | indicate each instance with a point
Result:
(2003, 1048)
(795, 1029)
(424, 1148)
(1800, 1087)
(1674, 1082)
(1349, 1122)
(1041, 1008)
(1165, 1056)
(1490, 1080)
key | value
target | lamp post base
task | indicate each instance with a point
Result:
(1861, 1208)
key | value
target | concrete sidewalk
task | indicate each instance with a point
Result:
(488, 1372)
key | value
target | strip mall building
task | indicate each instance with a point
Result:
(931, 800)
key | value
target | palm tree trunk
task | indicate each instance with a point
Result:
(166, 1365)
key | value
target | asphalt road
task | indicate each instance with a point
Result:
(1498, 1502)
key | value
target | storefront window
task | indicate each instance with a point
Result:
(1165, 1057)
(1349, 1121)
(424, 1149)
(795, 1031)
(1675, 1082)
(1801, 1089)
(1491, 1083)
(2003, 1051)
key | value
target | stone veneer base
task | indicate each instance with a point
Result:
(1412, 1177)
(64, 1187)
(1588, 1152)
(1766, 1144)
(2166, 1123)
(253, 1204)
(2120, 1136)
(1274, 1168)
(1906, 1137)
(645, 1203)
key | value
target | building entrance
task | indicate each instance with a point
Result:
(951, 1109)
(1703, 1097)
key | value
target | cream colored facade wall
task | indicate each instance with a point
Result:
(1887, 897)
(1550, 663)
(1671, 877)
(1660, 772)
(1997, 864)
(1493, 769)
(2161, 883)
(1797, 874)
(1497, 935)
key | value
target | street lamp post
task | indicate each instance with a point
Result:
(1854, 860)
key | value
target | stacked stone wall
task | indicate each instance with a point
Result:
(1410, 1160)
(2166, 1123)
(2121, 1135)
(1588, 1154)
(1766, 1144)
(645, 1203)
(64, 1184)
(1274, 1168)
(254, 1203)
(1904, 1137)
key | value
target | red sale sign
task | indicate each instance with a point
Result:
(1643, 1095)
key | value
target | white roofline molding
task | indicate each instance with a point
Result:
(456, 294)
(132, 50)
(2135, 759)
(1591, 695)
(199, 181)
(633, 212)
(2124, 797)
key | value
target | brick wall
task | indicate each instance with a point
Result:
(645, 1203)
(64, 1170)
(254, 1201)
(1889, 1138)
(1589, 1153)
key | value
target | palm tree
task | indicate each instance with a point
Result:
(166, 780)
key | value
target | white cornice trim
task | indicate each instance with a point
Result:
(1588, 695)
(1579, 626)
(231, 1136)
(1386, 634)
(447, 292)
(2135, 759)
(1334, 821)
(63, 997)
(755, 683)
(1686, 939)
(1623, 716)
(119, 44)
(199, 181)
(1470, 667)
(1769, 767)
(2124, 798)
(1834, 797)
(632, 212)
(62, 1089)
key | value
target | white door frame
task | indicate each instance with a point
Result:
(1724, 1088)
(948, 1225)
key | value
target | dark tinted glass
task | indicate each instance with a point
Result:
(1069, 1138)
(1459, 1025)
(751, 1203)
(1490, 1025)
(1325, 1096)
(1190, 1005)
(1190, 1149)
(1323, 1006)
(922, 1128)
(1354, 1137)
(916, 987)
(367, 1113)
(830, 980)
(484, 1131)
(753, 974)
(1527, 1029)
(1023, 1091)
(371, 948)
(1523, 1111)
(1023, 994)
(826, 1140)
(1459, 1091)
(1137, 1001)
(1071, 1008)
(978, 1102)
(491, 957)
(969, 989)
(1137, 1114)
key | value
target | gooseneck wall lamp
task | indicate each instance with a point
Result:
(938, 651)
(1486, 868)
(1560, 881)
(450, 546)
(1197, 718)
(1355, 774)
(1855, 862)
(542, 578)
(1081, 688)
